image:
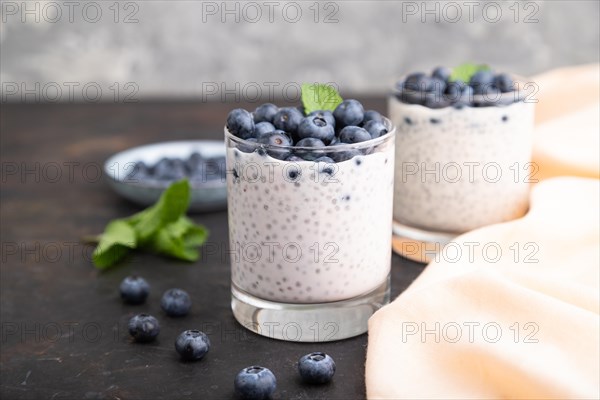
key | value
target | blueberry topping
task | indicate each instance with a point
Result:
(371, 115)
(453, 90)
(134, 290)
(349, 112)
(316, 127)
(343, 155)
(287, 119)
(309, 142)
(248, 148)
(255, 383)
(176, 302)
(325, 114)
(265, 113)
(504, 82)
(240, 123)
(442, 73)
(418, 82)
(169, 169)
(375, 129)
(263, 127)
(192, 345)
(144, 328)
(318, 367)
(481, 81)
(276, 138)
(354, 134)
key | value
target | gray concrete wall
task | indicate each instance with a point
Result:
(198, 49)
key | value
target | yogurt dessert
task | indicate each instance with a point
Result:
(463, 150)
(310, 209)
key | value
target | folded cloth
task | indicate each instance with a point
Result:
(566, 139)
(511, 310)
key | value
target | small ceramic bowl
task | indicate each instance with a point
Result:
(207, 195)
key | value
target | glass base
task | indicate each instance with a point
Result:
(316, 322)
(418, 244)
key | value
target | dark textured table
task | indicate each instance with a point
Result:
(63, 325)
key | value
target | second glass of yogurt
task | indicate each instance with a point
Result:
(310, 240)
(462, 157)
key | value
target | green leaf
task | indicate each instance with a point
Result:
(465, 71)
(173, 203)
(319, 97)
(180, 239)
(118, 238)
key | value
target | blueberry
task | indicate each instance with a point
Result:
(481, 80)
(248, 148)
(143, 328)
(453, 90)
(316, 127)
(287, 119)
(134, 289)
(435, 100)
(263, 127)
(176, 302)
(255, 383)
(354, 134)
(309, 142)
(418, 82)
(276, 138)
(371, 115)
(139, 172)
(375, 128)
(325, 114)
(411, 97)
(349, 112)
(168, 169)
(466, 96)
(442, 73)
(316, 368)
(265, 113)
(504, 82)
(240, 123)
(343, 155)
(192, 345)
(194, 161)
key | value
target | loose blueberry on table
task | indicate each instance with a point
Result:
(143, 328)
(192, 345)
(134, 289)
(176, 302)
(441, 89)
(255, 383)
(316, 368)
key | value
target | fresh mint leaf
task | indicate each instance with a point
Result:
(115, 243)
(162, 228)
(317, 96)
(173, 203)
(465, 71)
(180, 239)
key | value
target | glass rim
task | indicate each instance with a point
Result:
(327, 149)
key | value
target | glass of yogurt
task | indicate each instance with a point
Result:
(463, 157)
(310, 240)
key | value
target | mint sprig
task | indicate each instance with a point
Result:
(162, 228)
(465, 71)
(318, 96)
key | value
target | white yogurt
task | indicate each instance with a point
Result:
(306, 232)
(460, 169)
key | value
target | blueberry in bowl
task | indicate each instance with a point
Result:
(141, 174)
